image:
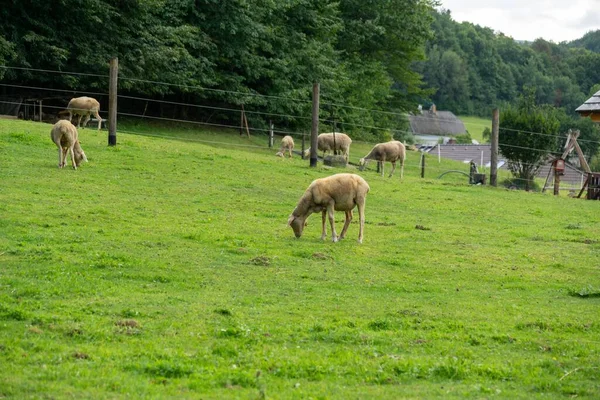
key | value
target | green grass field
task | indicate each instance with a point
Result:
(476, 125)
(163, 268)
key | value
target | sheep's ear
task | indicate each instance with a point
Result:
(291, 219)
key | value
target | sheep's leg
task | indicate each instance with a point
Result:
(402, 169)
(64, 152)
(70, 115)
(324, 226)
(331, 215)
(79, 120)
(60, 157)
(382, 163)
(98, 118)
(361, 214)
(346, 224)
(393, 168)
(72, 157)
(86, 120)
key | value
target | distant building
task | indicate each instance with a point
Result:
(591, 108)
(430, 126)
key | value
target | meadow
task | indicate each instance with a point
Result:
(163, 268)
(476, 125)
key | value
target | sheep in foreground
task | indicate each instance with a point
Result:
(340, 192)
(64, 134)
(390, 151)
(84, 106)
(287, 143)
(325, 144)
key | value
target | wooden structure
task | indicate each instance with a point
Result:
(591, 108)
(244, 123)
(558, 164)
(593, 186)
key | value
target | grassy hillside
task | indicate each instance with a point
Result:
(476, 125)
(164, 268)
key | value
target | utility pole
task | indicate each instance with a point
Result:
(494, 150)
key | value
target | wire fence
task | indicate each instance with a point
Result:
(232, 110)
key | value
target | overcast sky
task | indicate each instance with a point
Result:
(553, 20)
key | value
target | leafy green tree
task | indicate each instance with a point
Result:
(527, 135)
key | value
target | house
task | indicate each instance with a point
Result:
(430, 126)
(591, 108)
(480, 154)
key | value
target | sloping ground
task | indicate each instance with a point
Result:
(164, 268)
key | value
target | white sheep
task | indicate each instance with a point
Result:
(287, 143)
(339, 192)
(390, 151)
(325, 144)
(64, 134)
(84, 106)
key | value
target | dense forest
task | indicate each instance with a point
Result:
(375, 60)
(473, 69)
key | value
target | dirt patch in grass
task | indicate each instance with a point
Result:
(263, 261)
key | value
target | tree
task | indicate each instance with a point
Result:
(528, 134)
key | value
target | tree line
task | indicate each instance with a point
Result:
(261, 53)
(376, 60)
(473, 69)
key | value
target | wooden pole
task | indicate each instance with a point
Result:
(271, 133)
(112, 102)
(422, 165)
(242, 121)
(494, 147)
(40, 110)
(246, 124)
(314, 132)
(556, 180)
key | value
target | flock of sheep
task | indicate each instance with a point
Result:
(339, 192)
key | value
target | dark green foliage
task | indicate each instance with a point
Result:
(473, 69)
(225, 53)
(528, 134)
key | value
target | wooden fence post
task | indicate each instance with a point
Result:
(112, 102)
(314, 132)
(556, 178)
(271, 133)
(494, 148)
(422, 164)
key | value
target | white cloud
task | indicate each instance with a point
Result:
(555, 20)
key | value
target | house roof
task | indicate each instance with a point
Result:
(482, 152)
(591, 104)
(436, 123)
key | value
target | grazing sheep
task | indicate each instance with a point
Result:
(325, 144)
(84, 106)
(287, 143)
(340, 192)
(64, 134)
(390, 151)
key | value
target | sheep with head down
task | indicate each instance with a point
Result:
(391, 151)
(339, 192)
(333, 142)
(64, 135)
(287, 144)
